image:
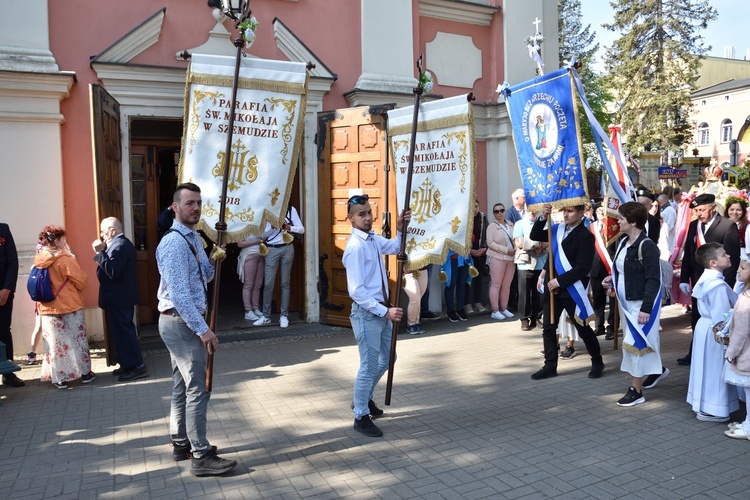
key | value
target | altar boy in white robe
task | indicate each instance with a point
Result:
(711, 398)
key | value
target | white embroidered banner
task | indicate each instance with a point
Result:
(443, 181)
(267, 135)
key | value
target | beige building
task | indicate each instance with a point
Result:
(721, 113)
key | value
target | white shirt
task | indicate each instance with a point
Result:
(365, 270)
(669, 218)
(276, 236)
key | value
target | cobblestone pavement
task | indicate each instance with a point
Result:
(466, 421)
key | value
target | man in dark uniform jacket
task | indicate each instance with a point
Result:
(714, 228)
(118, 294)
(578, 246)
(653, 224)
(599, 294)
(8, 278)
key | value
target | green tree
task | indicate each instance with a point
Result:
(654, 66)
(578, 41)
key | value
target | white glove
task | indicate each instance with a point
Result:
(685, 288)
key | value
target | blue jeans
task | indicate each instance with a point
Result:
(373, 335)
(283, 257)
(187, 420)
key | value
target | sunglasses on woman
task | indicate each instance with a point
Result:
(359, 199)
(498, 211)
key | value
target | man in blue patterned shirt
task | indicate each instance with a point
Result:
(185, 272)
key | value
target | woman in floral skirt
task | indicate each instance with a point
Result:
(66, 346)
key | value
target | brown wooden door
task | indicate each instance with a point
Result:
(105, 129)
(105, 132)
(144, 182)
(352, 155)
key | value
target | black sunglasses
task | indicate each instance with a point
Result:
(498, 211)
(359, 199)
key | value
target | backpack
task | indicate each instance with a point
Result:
(39, 285)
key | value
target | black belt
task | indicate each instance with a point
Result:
(173, 312)
(279, 245)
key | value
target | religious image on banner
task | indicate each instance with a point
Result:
(266, 141)
(443, 177)
(546, 136)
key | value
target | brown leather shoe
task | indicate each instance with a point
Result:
(525, 325)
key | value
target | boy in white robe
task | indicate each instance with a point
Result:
(711, 398)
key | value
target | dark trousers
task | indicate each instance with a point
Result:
(529, 299)
(514, 291)
(474, 291)
(120, 326)
(549, 333)
(425, 304)
(6, 315)
(599, 302)
(457, 288)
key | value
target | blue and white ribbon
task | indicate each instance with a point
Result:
(584, 310)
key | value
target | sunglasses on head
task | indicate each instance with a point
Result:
(498, 211)
(359, 199)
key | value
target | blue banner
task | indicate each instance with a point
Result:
(545, 132)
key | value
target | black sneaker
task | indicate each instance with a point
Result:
(88, 378)
(134, 374)
(413, 330)
(211, 465)
(366, 427)
(453, 317)
(632, 398)
(429, 315)
(568, 353)
(462, 315)
(375, 412)
(31, 358)
(597, 368)
(182, 452)
(654, 379)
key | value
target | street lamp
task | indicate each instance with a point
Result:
(228, 7)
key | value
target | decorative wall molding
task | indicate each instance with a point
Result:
(134, 42)
(470, 12)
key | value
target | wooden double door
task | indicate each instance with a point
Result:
(353, 158)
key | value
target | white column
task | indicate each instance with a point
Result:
(387, 46)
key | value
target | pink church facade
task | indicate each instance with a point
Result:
(364, 54)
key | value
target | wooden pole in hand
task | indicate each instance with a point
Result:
(401, 256)
(221, 225)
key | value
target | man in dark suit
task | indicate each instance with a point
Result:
(712, 227)
(578, 247)
(118, 294)
(598, 293)
(653, 224)
(8, 278)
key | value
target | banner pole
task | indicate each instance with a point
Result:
(401, 256)
(221, 225)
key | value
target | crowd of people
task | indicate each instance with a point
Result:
(635, 274)
(655, 233)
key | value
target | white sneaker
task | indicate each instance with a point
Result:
(250, 316)
(262, 321)
(468, 309)
(479, 308)
(283, 322)
(257, 312)
(497, 315)
(507, 313)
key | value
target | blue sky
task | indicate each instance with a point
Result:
(726, 29)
